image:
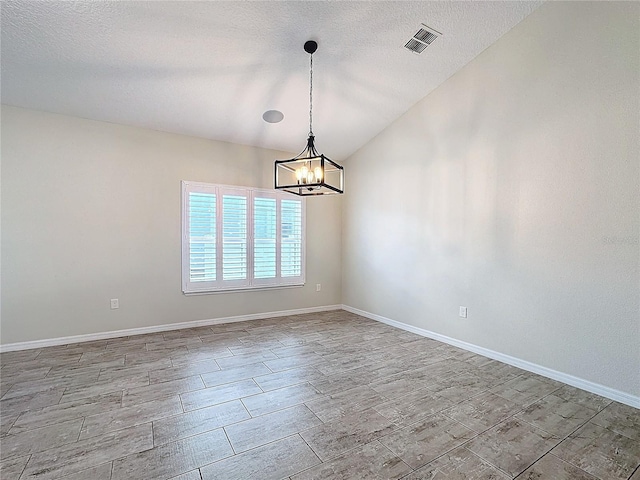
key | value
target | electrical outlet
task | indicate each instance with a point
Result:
(463, 312)
(318, 287)
(115, 303)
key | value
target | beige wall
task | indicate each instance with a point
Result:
(513, 189)
(91, 211)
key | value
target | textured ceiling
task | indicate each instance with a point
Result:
(210, 69)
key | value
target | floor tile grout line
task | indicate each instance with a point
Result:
(13, 423)
(25, 466)
(246, 409)
(224, 429)
(81, 427)
(310, 448)
(204, 385)
(182, 403)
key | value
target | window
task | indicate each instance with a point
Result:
(236, 238)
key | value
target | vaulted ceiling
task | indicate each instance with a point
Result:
(211, 69)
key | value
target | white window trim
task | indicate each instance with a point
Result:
(219, 285)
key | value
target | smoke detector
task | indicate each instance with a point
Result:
(424, 37)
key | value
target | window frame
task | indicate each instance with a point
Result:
(250, 283)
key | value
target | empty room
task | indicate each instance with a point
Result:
(319, 240)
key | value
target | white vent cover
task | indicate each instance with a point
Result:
(424, 37)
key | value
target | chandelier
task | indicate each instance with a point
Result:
(310, 172)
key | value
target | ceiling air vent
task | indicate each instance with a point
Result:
(422, 39)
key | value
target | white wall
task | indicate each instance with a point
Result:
(513, 189)
(91, 211)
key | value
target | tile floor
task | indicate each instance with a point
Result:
(317, 396)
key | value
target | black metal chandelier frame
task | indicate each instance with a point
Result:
(311, 178)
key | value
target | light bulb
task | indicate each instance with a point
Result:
(310, 177)
(304, 173)
(318, 173)
(298, 174)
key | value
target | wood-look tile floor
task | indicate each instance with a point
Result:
(317, 396)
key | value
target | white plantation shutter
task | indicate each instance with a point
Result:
(202, 237)
(234, 237)
(265, 238)
(291, 239)
(240, 238)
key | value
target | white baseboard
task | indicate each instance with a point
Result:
(50, 342)
(577, 382)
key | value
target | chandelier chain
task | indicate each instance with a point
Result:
(311, 96)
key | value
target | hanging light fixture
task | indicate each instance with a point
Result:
(310, 172)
